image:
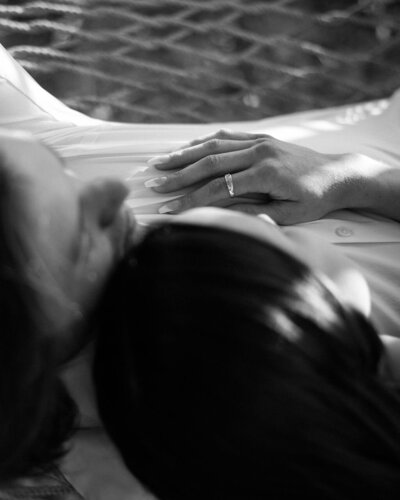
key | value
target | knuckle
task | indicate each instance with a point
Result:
(254, 175)
(215, 188)
(223, 133)
(212, 163)
(177, 177)
(213, 145)
(274, 167)
(262, 148)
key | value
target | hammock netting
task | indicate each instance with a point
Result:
(205, 60)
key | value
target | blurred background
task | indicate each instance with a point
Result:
(160, 61)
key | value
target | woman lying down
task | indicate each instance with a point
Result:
(234, 358)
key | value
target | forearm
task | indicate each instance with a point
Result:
(298, 184)
(370, 185)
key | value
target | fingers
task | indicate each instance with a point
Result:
(212, 166)
(225, 134)
(209, 194)
(216, 192)
(281, 212)
(189, 155)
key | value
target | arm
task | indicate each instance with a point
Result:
(297, 184)
(376, 188)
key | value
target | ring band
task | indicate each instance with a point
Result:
(229, 185)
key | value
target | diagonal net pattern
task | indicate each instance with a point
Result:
(205, 60)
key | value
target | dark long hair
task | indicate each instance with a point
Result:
(36, 413)
(226, 369)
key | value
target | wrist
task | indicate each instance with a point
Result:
(349, 186)
(366, 184)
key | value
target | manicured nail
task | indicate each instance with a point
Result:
(157, 160)
(169, 207)
(157, 181)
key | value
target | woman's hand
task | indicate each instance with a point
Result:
(289, 183)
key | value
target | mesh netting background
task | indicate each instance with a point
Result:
(205, 60)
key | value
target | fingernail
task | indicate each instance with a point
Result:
(169, 207)
(157, 160)
(157, 181)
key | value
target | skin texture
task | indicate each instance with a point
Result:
(289, 183)
(70, 232)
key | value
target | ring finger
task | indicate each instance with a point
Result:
(210, 167)
(215, 192)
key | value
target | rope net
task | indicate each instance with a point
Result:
(205, 60)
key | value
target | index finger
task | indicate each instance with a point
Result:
(192, 154)
(226, 134)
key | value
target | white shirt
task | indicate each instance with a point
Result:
(94, 148)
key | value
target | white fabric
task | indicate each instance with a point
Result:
(93, 148)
